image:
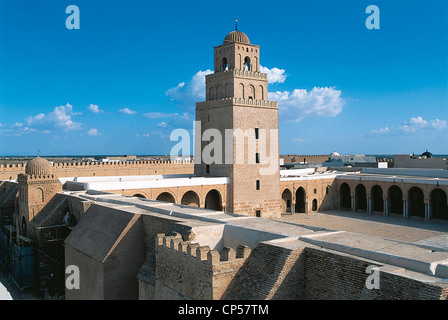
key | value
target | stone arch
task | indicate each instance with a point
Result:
(344, 192)
(23, 227)
(218, 92)
(376, 194)
(314, 205)
(139, 195)
(300, 200)
(416, 202)
(251, 94)
(439, 206)
(247, 64)
(261, 92)
(213, 200)
(227, 90)
(210, 93)
(224, 64)
(40, 194)
(395, 196)
(286, 201)
(242, 90)
(190, 198)
(360, 197)
(166, 197)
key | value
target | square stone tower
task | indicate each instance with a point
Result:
(36, 188)
(237, 112)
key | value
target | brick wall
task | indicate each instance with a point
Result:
(335, 276)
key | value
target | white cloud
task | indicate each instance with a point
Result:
(188, 93)
(93, 132)
(319, 102)
(413, 125)
(159, 115)
(145, 135)
(127, 111)
(438, 124)
(275, 75)
(94, 108)
(298, 140)
(60, 117)
(381, 131)
(162, 124)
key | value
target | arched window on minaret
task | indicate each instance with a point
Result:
(242, 91)
(261, 92)
(224, 64)
(247, 65)
(40, 194)
(251, 92)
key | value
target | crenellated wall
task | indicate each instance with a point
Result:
(186, 270)
(83, 169)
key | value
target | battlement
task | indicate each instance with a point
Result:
(201, 254)
(20, 166)
(236, 101)
(128, 167)
(238, 73)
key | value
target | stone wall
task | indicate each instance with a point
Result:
(336, 276)
(186, 270)
(87, 169)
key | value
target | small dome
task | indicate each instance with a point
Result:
(236, 36)
(427, 154)
(38, 167)
(334, 154)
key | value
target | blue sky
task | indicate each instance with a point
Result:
(133, 71)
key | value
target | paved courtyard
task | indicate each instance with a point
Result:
(392, 227)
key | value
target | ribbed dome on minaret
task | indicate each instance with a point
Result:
(38, 167)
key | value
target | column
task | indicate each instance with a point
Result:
(339, 202)
(293, 208)
(353, 203)
(427, 211)
(405, 209)
(386, 206)
(369, 204)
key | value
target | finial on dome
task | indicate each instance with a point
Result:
(236, 24)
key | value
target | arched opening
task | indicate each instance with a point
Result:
(251, 92)
(439, 207)
(377, 199)
(344, 191)
(247, 65)
(224, 64)
(242, 90)
(210, 93)
(191, 199)
(40, 194)
(227, 90)
(138, 195)
(286, 201)
(314, 206)
(395, 196)
(23, 227)
(261, 93)
(166, 197)
(213, 200)
(300, 200)
(416, 202)
(360, 198)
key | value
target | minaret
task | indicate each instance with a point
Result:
(237, 102)
(36, 188)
